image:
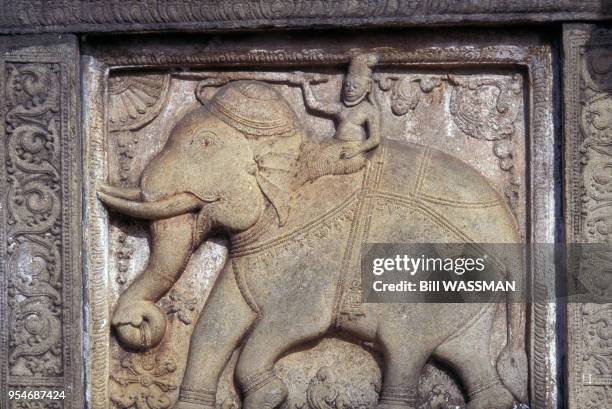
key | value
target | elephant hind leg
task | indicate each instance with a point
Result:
(468, 355)
(404, 360)
(400, 384)
(492, 396)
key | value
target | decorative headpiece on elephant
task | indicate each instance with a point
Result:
(237, 157)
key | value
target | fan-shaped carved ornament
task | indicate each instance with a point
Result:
(136, 99)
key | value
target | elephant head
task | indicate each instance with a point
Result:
(220, 163)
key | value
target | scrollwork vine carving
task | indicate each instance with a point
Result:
(37, 405)
(596, 126)
(483, 109)
(593, 125)
(34, 219)
(406, 92)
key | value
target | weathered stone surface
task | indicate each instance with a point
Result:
(40, 236)
(421, 97)
(253, 155)
(588, 127)
(26, 16)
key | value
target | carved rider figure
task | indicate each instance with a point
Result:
(357, 116)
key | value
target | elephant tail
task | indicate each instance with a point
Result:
(512, 363)
(512, 367)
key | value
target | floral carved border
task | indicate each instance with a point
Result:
(40, 303)
(588, 138)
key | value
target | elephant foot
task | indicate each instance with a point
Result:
(397, 397)
(492, 397)
(267, 393)
(393, 406)
(187, 405)
(195, 399)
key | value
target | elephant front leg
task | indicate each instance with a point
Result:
(275, 334)
(261, 388)
(139, 324)
(224, 321)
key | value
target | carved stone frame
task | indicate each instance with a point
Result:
(586, 151)
(529, 54)
(155, 15)
(40, 218)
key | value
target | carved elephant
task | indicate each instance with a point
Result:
(240, 166)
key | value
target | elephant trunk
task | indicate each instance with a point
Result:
(138, 322)
(171, 246)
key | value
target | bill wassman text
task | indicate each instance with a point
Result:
(447, 286)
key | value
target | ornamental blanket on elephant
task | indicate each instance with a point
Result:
(420, 188)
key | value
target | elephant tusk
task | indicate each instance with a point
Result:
(129, 193)
(162, 209)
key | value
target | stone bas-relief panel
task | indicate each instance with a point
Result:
(476, 113)
(291, 171)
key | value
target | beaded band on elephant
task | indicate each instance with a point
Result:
(206, 398)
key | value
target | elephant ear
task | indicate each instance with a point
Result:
(275, 176)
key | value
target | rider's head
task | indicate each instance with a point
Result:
(358, 81)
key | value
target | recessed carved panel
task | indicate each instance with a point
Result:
(227, 212)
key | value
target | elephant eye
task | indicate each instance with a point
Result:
(209, 138)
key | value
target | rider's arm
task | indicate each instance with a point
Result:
(322, 108)
(373, 123)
